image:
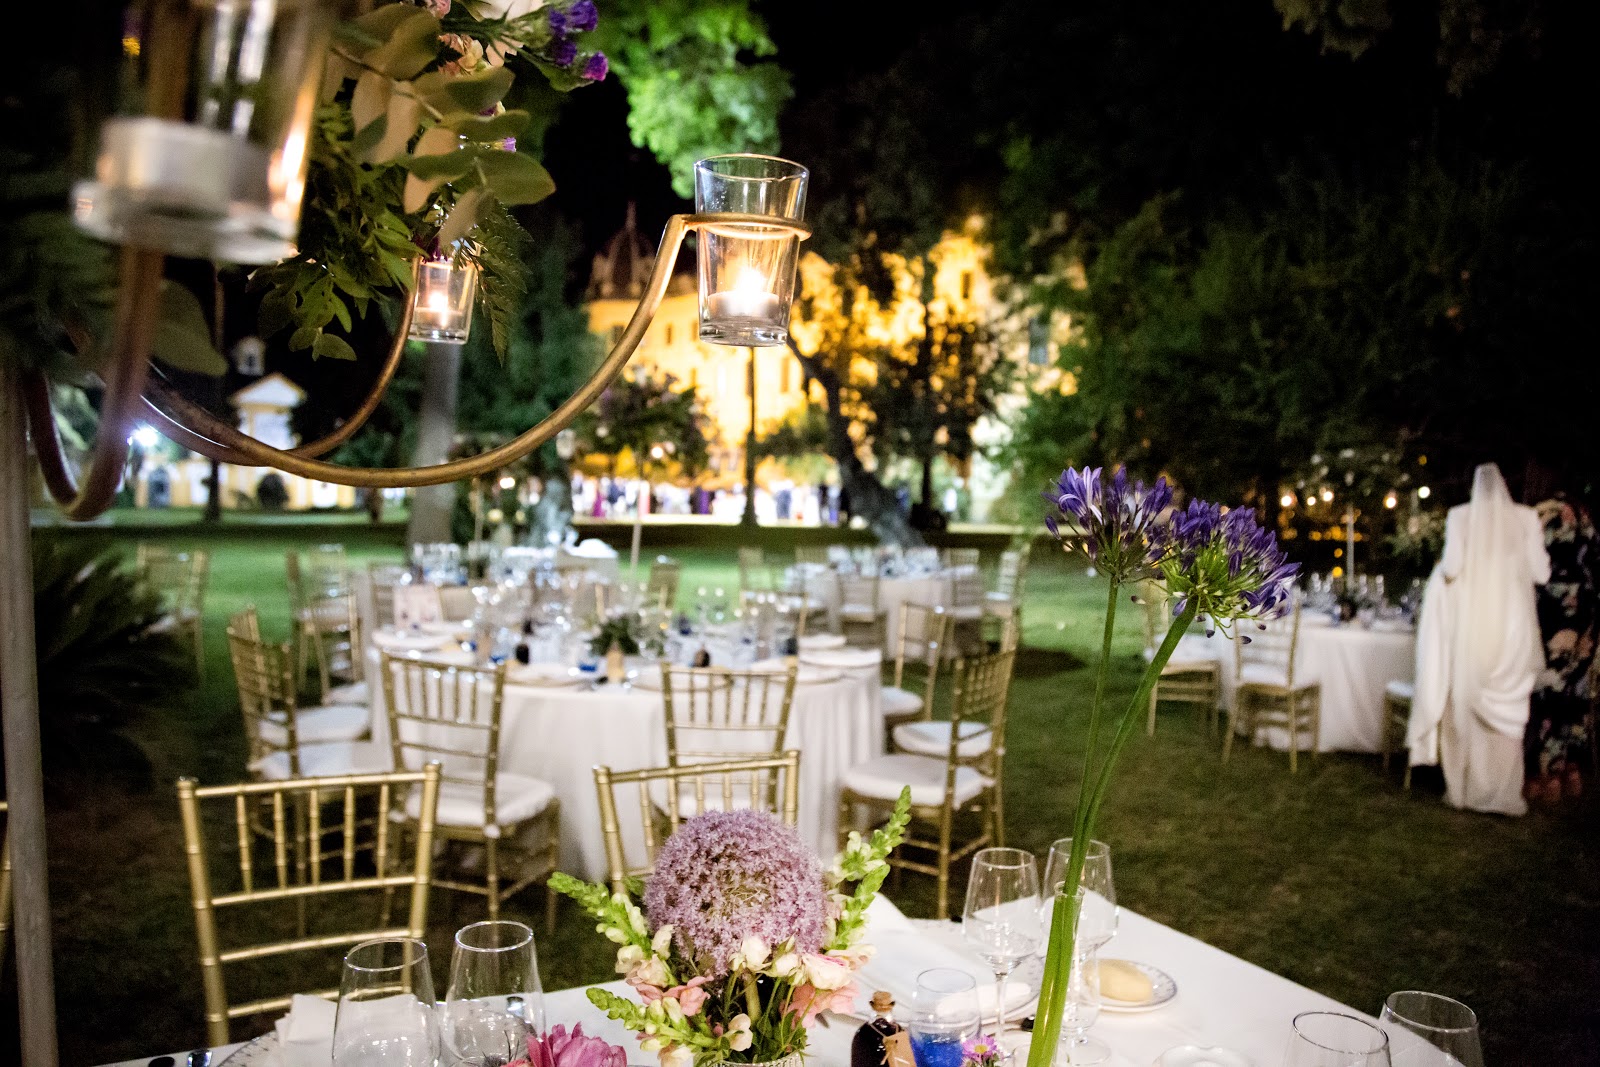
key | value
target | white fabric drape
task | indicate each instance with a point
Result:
(1478, 649)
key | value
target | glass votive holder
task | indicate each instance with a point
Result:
(747, 270)
(441, 309)
(213, 164)
(943, 1016)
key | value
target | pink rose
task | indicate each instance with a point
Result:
(690, 997)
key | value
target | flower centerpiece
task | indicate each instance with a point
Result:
(616, 630)
(559, 1048)
(1215, 563)
(743, 938)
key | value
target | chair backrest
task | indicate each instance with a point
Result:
(795, 606)
(1011, 629)
(924, 629)
(263, 673)
(753, 570)
(1008, 579)
(294, 581)
(1273, 645)
(770, 784)
(979, 693)
(811, 554)
(384, 577)
(966, 589)
(661, 588)
(180, 577)
(449, 714)
(858, 591)
(715, 714)
(327, 569)
(1153, 599)
(960, 557)
(338, 644)
(277, 820)
(5, 881)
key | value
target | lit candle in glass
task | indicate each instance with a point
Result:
(747, 270)
(442, 308)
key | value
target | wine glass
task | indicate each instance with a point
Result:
(494, 1001)
(1419, 1023)
(944, 1013)
(1001, 920)
(1330, 1039)
(1097, 919)
(386, 1009)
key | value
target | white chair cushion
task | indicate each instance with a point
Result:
(1401, 690)
(884, 777)
(933, 739)
(861, 612)
(998, 606)
(994, 597)
(331, 722)
(516, 798)
(965, 613)
(322, 761)
(1268, 674)
(900, 702)
(354, 693)
(169, 622)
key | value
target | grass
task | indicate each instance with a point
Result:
(1334, 878)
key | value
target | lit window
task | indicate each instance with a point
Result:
(669, 333)
(966, 285)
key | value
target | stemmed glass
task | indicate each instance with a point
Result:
(1330, 1039)
(494, 1001)
(1422, 1023)
(1001, 920)
(1097, 924)
(386, 1009)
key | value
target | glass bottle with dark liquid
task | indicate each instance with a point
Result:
(881, 1042)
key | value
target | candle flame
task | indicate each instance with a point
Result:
(438, 300)
(750, 280)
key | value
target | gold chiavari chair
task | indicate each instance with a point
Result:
(5, 883)
(180, 578)
(384, 577)
(924, 629)
(661, 587)
(966, 610)
(1192, 674)
(337, 650)
(957, 770)
(1398, 695)
(770, 783)
(960, 557)
(1005, 599)
(287, 741)
(451, 714)
(718, 713)
(754, 573)
(861, 618)
(323, 608)
(336, 882)
(1268, 694)
(795, 608)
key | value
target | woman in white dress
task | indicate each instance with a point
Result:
(1478, 648)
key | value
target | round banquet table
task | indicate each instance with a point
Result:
(559, 734)
(1353, 665)
(933, 589)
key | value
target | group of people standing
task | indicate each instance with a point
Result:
(1506, 651)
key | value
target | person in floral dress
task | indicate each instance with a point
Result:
(1569, 622)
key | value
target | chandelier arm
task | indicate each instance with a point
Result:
(211, 449)
(138, 304)
(207, 434)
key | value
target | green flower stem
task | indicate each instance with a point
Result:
(1065, 911)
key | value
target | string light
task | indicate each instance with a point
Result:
(1287, 500)
(1327, 496)
(1423, 492)
(508, 482)
(1390, 501)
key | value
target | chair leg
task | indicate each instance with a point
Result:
(1294, 734)
(1236, 717)
(492, 872)
(198, 638)
(997, 815)
(1150, 727)
(1405, 783)
(942, 911)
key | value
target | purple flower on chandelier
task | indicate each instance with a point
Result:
(563, 53)
(725, 876)
(595, 68)
(1113, 521)
(558, 21)
(582, 16)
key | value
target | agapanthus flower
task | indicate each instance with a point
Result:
(728, 875)
(1229, 565)
(1112, 520)
(582, 16)
(595, 68)
(563, 53)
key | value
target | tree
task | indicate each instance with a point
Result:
(650, 421)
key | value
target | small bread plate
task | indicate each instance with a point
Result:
(262, 1052)
(1163, 989)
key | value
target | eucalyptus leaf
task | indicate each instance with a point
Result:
(410, 46)
(401, 124)
(470, 93)
(515, 178)
(436, 141)
(364, 145)
(374, 28)
(304, 338)
(464, 216)
(446, 167)
(183, 338)
(371, 99)
(417, 192)
(332, 346)
(491, 127)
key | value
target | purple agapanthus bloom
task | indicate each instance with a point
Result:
(1114, 519)
(558, 21)
(582, 16)
(727, 875)
(595, 68)
(1229, 565)
(563, 53)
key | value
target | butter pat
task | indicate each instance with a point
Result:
(1121, 980)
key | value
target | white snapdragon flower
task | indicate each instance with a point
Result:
(629, 957)
(825, 972)
(677, 1056)
(739, 1035)
(752, 955)
(661, 944)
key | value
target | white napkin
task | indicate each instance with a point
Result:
(904, 954)
(305, 1035)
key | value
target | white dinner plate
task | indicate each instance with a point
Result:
(1163, 989)
(262, 1052)
(421, 642)
(818, 642)
(542, 675)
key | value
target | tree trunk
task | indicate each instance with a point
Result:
(432, 506)
(927, 481)
(213, 512)
(375, 505)
(868, 496)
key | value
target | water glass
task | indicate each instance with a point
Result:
(386, 1015)
(1075, 1046)
(1331, 1039)
(1097, 919)
(1426, 1028)
(944, 1014)
(494, 1002)
(1001, 919)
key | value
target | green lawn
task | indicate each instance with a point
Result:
(1334, 878)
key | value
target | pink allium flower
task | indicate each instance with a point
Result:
(809, 1001)
(728, 875)
(558, 1048)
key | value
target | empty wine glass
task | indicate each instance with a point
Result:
(1427, 1029)
(1001, 920)
(944, 1013)
(386, 1009)
(1097, 921)
(494, 1001)
(1331, 1039)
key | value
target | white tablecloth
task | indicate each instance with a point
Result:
(559, 735)
(1353, 665)
(1222, 1001)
